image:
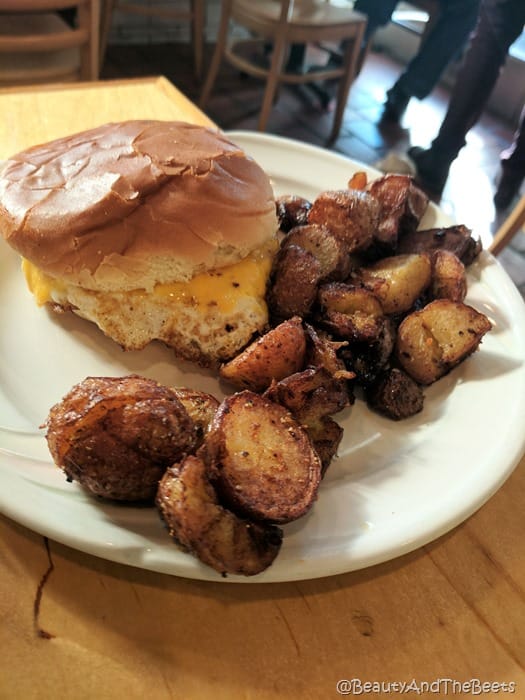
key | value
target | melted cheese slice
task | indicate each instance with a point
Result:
(221, 289)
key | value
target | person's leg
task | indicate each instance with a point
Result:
(378, 13)
(512, 167)
(445, 41)
(499, 25)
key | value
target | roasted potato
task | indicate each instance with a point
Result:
(402, 207)
(292, 211)
(358, 181)
(293, 283)
(368, 359)
(117, 436)
(352, 215)
(312, 396)
(261, 460)
(321, 351)
(395, 395)
(457, 239)
(449, 280)
(331, 252)
(190, 508)
(326, 436)
(432, 341)
(397, 281)
(350, 312)
(200, 406)
(275, 355)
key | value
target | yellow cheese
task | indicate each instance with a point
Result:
(40, 284)
(221, 288)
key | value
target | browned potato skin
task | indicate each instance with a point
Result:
(321, 351)
(436, 339)
(261, 460)
(326, 436)
(309, 395)
(294, 281)
(358, 181)
(117, 436)
(449, 280)
(397, 281)
(395, 395)
(457, 239)
(275, 355)
(402, 207)
(189, 506)
(321, 242)
(352, 216)
(292, 211)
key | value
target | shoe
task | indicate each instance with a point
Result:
(432, 172)
(395, 105)
(508, 189)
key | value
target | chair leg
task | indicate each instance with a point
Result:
(509, 228)
(197, 29)
(350, 71)
(105, 26)
(222, 37)
(272, 82)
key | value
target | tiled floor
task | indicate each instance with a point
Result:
(298, 114)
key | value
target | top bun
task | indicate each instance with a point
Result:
(133, 204)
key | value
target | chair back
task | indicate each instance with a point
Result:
(38, 45)
(282, 24)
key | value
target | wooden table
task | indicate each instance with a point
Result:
(74, 626)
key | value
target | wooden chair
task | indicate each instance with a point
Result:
(509, 228)
(195, 14)
(281, 23)
(37, 45)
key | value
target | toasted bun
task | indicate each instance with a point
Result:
(134, 204)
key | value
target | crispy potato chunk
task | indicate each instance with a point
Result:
(331, 252)
(350, 312)
(352, 215)
(321, 351)
(261, 460)
(292, 211)
(449, 280)
(434, 340)
(358, 181)
(368, 358)
(457, 239)
(117, 436)
(402, 207)
(312, 396)
(294, 281)
(397, 281)
(189, 506)
(395, 395)
(275, 355)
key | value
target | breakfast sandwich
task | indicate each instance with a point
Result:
(152, 230)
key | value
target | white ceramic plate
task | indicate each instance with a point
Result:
(394, 486)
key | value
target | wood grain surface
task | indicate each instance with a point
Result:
(75, 626)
